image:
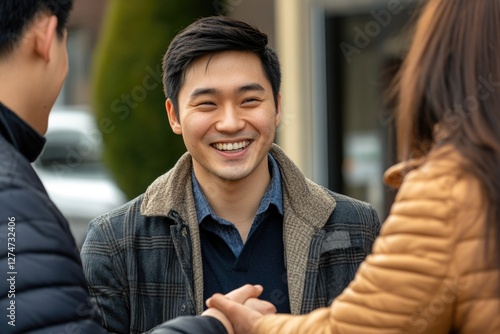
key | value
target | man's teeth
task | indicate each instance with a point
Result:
(231, 146)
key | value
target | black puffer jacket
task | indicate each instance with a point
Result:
(191, 325)
(42, 286)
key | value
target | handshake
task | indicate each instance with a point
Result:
(240, 309)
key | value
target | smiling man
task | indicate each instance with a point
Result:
(234, 209)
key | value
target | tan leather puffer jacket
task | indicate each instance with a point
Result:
(428, 272)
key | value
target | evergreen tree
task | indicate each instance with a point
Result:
(127, 92)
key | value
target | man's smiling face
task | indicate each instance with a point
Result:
(227, 116)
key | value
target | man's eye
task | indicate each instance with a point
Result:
(206, 103)
(251, 101)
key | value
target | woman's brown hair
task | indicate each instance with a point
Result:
(450, 84)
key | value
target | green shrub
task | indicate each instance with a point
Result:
(127, 93)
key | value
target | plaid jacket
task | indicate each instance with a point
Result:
(143, 261)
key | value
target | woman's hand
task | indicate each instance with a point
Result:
(241, 307)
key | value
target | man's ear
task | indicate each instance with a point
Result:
(45, 32)
(278, 110)
(172, 117)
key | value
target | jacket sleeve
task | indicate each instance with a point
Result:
(106, 276)
(191, 325)
(375, 226)
(45, 290)
(404, 285)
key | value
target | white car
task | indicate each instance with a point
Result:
(72, 171)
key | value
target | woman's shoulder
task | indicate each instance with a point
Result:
(440, 178)
(445, 164)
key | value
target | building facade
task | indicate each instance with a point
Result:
(338, 58)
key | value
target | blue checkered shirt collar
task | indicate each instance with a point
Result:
(273, 195)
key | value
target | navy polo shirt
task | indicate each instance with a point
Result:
(228, 263)
(225, 229)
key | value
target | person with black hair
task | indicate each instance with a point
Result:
(234, 209)
(43, 288)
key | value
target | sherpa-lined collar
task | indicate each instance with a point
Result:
(307, 208)
(173, 191)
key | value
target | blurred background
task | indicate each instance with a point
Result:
(337, 56)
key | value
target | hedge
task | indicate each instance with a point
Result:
(127, 93)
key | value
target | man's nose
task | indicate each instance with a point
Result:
(230, 119)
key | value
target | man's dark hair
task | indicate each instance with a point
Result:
(17, 15)
(211, 35)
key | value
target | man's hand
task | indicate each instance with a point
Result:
(212, 312)
(241, 307)
(246, 295)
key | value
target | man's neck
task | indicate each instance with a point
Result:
(238, 201)
(17, 90)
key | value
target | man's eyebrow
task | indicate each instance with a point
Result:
(250, 87)
(204, 91)
(213, 91)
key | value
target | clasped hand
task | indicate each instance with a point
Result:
(239, 310)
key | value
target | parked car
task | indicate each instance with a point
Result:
(72, 170)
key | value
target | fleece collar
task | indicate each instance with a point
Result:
(173, 191)
(307, 208)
